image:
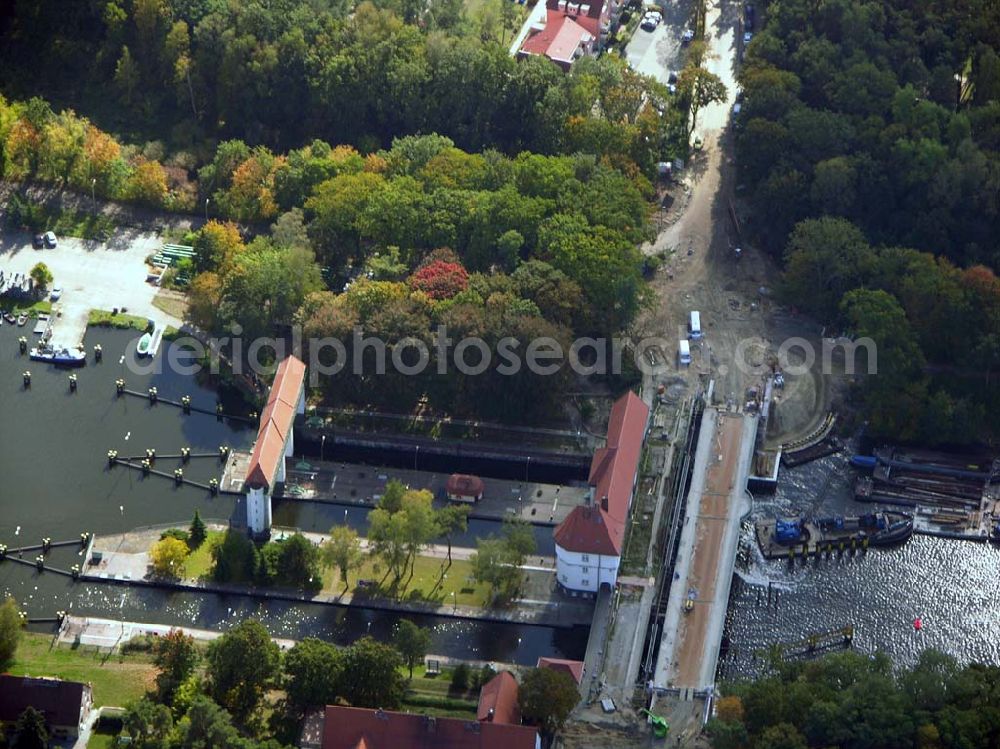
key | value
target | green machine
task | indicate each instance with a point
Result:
(660, 725)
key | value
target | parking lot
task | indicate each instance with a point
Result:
(658, 52)
(92, 275)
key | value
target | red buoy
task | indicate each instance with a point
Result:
(917, 624)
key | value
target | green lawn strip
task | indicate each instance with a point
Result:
(116, 681)
(107, 319)
(198, 565)
(433, 581)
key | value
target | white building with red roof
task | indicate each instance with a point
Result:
(565, 31)
(275, 442)
(589, 541)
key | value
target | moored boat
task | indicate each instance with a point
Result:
(144, 344)
(61, 355)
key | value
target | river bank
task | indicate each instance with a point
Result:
(124, 559)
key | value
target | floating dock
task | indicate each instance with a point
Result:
(786, 539)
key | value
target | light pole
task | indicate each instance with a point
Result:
(416, 453)
(121, 509)
(345, 517)
(206, 209)
(322, 444)
(527, 463)
(454, 601)
(93, 189)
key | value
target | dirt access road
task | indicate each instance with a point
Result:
(742, 325)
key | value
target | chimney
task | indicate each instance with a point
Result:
(430, 723)
(604, 503)
(489, 715)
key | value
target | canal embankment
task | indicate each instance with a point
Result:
(124, 559)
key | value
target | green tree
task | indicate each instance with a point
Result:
(342, 551)
(234, 558)
(547, 697)
(175, 657)
(197, 532)
(207, 725)
(781, 736)
(10, 631)
(451, 520)
(30, 731)
(492, 564)
(313, 670)
(371, 676)
(298, 563)
(41, 275)
(127, 76)
(701, 88)
(242, 665)
(412, 643)
(148, 723)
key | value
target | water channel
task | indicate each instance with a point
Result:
(952, 586)
(54, 482)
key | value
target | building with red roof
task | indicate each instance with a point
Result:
(275, 441)
(498, 700)
(65, 704)
(569, 30)
(359, 728)
(589, 541)
(573, 668)
(463, 488)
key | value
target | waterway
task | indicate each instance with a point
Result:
(54, 482)
(952, 586)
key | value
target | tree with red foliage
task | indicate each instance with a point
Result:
(440, 279)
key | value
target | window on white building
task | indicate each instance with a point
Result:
(565, 578)
(585, 557)
(585, 582)
(585, 570)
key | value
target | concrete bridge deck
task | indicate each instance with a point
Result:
(716, 503)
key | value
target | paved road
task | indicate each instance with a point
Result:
(93, 275)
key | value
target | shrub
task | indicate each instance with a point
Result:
(460, 677)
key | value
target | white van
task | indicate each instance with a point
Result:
(684, 353)
(694, 326)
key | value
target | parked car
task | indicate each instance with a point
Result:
(56, 293)
(37, 241)
(650, 20)
(50, 240)
(747, 36)
(688, 36)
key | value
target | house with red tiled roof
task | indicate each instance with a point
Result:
(65, 704)
(566, 30)
(589, 541)
(498, 700)
(573, 668)
(275, 442)
(360, 728)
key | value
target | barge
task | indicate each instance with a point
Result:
(784, 538)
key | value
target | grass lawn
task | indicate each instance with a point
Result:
(433, 581)
(199, 561)
(101, 740)
(172, 302)
(65, 223)
(106, 319)
(32, 310)
(116, 681)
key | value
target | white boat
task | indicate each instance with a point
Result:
(63, 355)
(144, 344)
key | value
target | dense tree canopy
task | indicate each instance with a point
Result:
(868, 127)
(855, 701)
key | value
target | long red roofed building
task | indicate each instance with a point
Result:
(568, 30)
(589, 541)
(275, 441)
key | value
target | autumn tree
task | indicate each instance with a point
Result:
(175, 657)
(168, 557)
